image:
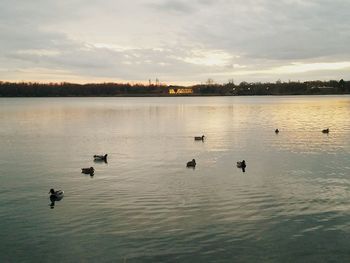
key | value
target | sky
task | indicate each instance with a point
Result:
(176, 41)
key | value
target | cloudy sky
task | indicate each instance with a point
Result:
(176, 41)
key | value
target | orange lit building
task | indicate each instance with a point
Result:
(180, 91)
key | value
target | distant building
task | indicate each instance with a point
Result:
(180, 91)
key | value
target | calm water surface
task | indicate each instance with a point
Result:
(291, 205)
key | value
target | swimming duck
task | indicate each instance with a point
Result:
(277, 131)
(199, 138)
(90, 170)
(101, 157)
(57, 195)
(325, 130)
(191, 163)
(241, 164)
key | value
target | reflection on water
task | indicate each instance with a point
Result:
(144, 205)
(54, 199)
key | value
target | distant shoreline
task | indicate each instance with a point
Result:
(64, 89)
(177, 96)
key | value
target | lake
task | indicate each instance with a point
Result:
(292, 204)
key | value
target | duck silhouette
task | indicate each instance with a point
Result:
(90, 170)
(55, 196)
(242, 165)
(100, 158)
(191, 163)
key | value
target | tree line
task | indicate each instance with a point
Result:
(65, 89)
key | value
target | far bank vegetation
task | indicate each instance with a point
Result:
(65, 89)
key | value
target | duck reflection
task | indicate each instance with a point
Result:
(100, 161)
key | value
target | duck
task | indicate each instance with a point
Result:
(277, 131)
(325, 130)
(101, 157)
(241, 164)
(199, 138)
(191, 163)
(90, 170)
(57, 195)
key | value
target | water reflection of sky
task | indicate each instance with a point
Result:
(227, 122)
(295, 189)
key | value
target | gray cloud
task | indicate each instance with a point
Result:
(170, 6)
(279, 29)
(174, 40)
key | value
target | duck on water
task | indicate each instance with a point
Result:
(90, 170)
(191, 163)
(55, 196)
(102, 158)
(199, 138)
(242, 165)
